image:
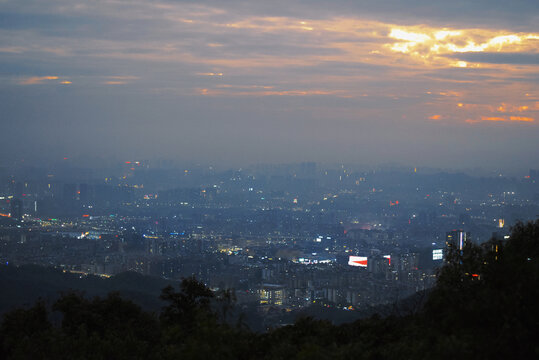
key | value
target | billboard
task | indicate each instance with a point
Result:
(437, 254)
(357, 261)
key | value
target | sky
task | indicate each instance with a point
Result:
(447, 84)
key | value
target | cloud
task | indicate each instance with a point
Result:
(12, 49)
(518, 14)
(469, 44)
(368, 65)
(35, 80)
(260, 91)
(498, 58)
(501, 119)
(504, 108)
(119, 79)
(521, 118)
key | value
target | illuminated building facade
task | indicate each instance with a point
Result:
(457, 238)
(271, 294)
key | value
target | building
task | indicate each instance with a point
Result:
(271, 294)
(457, 239)
(15, 209)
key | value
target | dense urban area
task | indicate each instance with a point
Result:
(284, 237)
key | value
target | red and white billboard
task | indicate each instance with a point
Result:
(357, 261)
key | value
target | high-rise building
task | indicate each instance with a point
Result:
(15, 208)
(457, 239)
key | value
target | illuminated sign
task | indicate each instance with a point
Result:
(437, 254)
(357, 261)
(388, 257)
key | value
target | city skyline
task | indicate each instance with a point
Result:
(450, 85)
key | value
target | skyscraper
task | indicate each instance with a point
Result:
(457, 239)
(15, 209)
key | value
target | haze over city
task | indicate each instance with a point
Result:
(418, 83)
(269, 179)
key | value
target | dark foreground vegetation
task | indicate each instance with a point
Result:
(484, 306)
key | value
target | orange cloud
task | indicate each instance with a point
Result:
(503, 108)
(501, 119)
(37, 80)
(435, 117)
(229, 86)
(521, 118)
(230, 92)
(450, 93)
(119, 79)
(486, 118)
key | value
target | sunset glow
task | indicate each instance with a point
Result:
(358, 66)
